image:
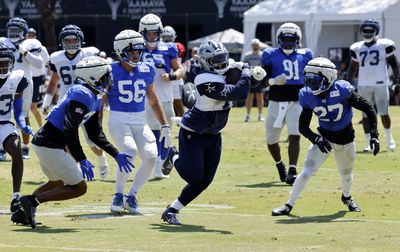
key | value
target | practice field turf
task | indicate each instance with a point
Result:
(233, 214)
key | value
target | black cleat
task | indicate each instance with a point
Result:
(351, 204)
(19, 217)
(282, 171)
(291, 175)
(169, 215)
(15, 204)
(168, 164)
(283, 210)
(29, 209)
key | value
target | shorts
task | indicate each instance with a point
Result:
(6, 130)
(378, 95)
(177, 89)
(38, 88)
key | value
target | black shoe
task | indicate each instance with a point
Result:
(291, 176)
(351, 204)
(19, 217)
(168, 164)
(169, 215)
(282, 171)
(25, 152)
(283, 210)
(29, 207)
(15, 204)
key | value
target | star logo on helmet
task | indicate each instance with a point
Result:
(223, 93)
(210, 88)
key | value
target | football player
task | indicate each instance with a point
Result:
(371, 57)
(164, 57)
(133, 84)
(331, 101)
(80, 105)
(12, 85)
(63, 64)
(200, 132)
(27, 56)
(285, 66)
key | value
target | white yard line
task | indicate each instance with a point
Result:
(2, 245)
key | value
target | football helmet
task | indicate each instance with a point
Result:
(288, 37)
(17, 28)
(6, 61)
(169, 34)
(127, 41)
(369, 29)
(214, 57)
(151, 23)
(319, 75)
(71, 38)
(95, 72)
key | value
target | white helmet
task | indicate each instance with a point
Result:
(94, 71)
(126, 41)
(169, 34)
(214, 57)
(319, 74)
(288, 36)
(150, 22)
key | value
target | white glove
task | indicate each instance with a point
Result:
(165, 134)
(258, 73)
(278, 80)
(238, 65)
(21, 49)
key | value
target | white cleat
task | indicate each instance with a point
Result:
(103, 171)
(391, 145)
(367, 149)
(131, 204)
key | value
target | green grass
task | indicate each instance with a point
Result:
(233, 214)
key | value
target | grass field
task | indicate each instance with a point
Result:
(233, 214)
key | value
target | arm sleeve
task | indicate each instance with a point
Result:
(225, 92)
(74, 114)
(96, 135)
(18, 115)
(52, 67)
(392, 61)
(34, 60)
(358, 102)
(304, 125)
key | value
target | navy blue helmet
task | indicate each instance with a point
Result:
(369, 28)
(17, 28)
(6, 60)
(71, 38)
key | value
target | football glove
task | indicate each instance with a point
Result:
(124, 163)
(258, 73)
(323, 145)
(87, 169)
(22, 50)
(27, 130)
(166, 135)
(374, 142)
(278, 80)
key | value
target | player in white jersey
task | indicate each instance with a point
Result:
(164, 56)
(38, 79)
(133, 85)
(63, 64)
(12, 84)
(371, 57)
(27, 56)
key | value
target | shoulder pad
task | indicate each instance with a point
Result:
(55, 56)
(386, 42)
(208, 77)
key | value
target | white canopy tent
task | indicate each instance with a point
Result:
(324, 24)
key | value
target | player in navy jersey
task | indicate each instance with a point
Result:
(12, 85)
(164, 57)
(133, 85)
(284, 67)
(80, 105)
(200, 133)
(331, 101)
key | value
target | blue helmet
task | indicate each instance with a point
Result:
(6, 60)
(17, 28)
(71, 38)
(369, 29)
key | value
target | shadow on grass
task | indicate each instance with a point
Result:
(265, 185)
(46, 230)
(100, 216)
(316, 219)
(369, 153)
(187, 229)
(33, 182)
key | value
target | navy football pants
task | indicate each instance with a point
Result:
(199, 156)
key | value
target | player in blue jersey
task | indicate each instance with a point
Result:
(164, 57)
(200, 133)
(331, 101)
(133, 85)
(284, 67)
(80, 105)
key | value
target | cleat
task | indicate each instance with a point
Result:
(291, 176)
(3, 155)
(247, 119)
(103, 171)
(168, 164)
(367, 149)
(15, 203)
(283, 210)
(29, 209)
(25, 152)
(261, 119)
(169, 215)
(131, 204)
(391, 145)
(282, 171)
(351, 204)
(117, 206)
(19, 217)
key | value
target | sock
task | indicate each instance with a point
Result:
(367, 138)
(177, 205)
(16, 195)
(120, 181)
(174, 158)
(101, 160)
(388, 135)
